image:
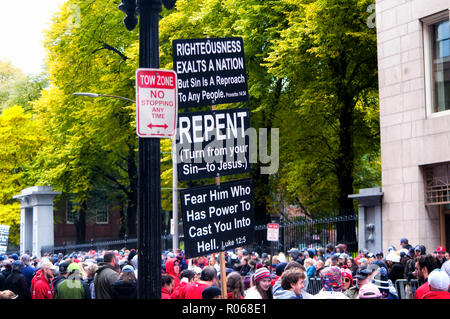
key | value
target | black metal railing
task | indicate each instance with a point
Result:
(297, 233)
(302, 232)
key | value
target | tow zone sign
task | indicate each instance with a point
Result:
(156, 103)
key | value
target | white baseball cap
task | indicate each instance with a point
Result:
(438, 280)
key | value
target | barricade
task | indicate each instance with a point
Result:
(405, 288)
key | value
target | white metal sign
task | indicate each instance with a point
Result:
(156, 103)
(273, 232)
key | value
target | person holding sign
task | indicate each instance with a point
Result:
(262, 288)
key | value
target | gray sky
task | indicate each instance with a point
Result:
(21, 31)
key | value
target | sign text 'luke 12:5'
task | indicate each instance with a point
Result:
(217, 217)
(156, 103)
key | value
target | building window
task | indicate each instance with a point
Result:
(71, 216)
(437, 62)
(101, 216)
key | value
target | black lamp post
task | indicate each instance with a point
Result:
(149, 179)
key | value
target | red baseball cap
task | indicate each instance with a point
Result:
(440, 249)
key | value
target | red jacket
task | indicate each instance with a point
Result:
(165, 293)
(437, 295)
(170, 271)
(194, 290)
(422, 291)
(40, 287)
(180, 291)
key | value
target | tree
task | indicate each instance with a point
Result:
(333, 82)
(91, 144)
(19, 143)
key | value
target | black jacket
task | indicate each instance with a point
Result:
(17, 283)
(396, 272)
(124, 290)
(2, 282)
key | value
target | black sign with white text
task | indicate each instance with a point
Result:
(217, 217)
(4, 235)
(213, 143)
(210, 71)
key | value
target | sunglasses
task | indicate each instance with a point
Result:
(347, 280)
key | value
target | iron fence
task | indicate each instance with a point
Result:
(310, 233)
(297, 233)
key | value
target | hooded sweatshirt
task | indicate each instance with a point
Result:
(41, 288)
(170, 271)
(433, 294)
(280, 293)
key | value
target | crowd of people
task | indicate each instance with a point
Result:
(249, 275)
(82, 275)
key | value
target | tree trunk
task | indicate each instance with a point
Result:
(344, 170)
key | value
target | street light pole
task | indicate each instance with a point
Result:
(149, 170)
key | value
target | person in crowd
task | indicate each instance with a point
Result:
(235, 286)
(7, 268)
(438, 282)
(213, 262)
(395, 267)
(16, 281)
(212, 292)
(2, 281)
(126, 286)
(277, 289)
(42, 282)
(424, 266)
(73, 287)
(320, 265)
(347, 279)
(369, 291)
(292, 283)
(244, 267)
(361, 254)
(278, 272)
(187, 276)
(331, 284)
(440, 255)
(309, 264)
(294, 255)
(261, 288)
(106, 275)
(28, 270)
(363, 276)
(167, 285)
(446, 267)
(60, 275)
(381, 280)
(404, 243)
(208, 277)
(351, 264)
(321, 254)
(329, 251)
(90, 269)
(173, 269)
(342, 260)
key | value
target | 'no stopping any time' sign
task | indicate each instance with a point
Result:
(156, 103)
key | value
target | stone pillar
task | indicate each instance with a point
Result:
(36, 218)
(369, 219)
